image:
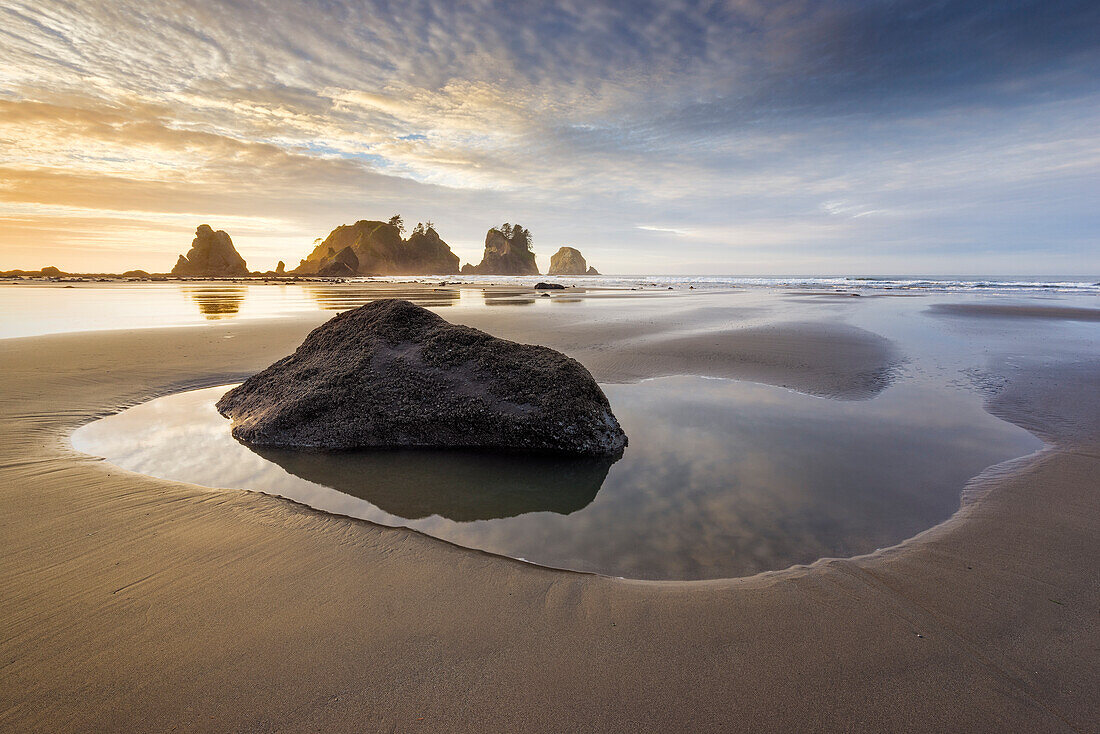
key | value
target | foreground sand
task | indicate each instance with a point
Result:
(134, 604)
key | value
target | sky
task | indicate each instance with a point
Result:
(670, 137)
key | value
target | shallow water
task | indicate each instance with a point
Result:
(721, 478)
(37, 307)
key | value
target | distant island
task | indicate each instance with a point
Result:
(374, 247)
(367, 247)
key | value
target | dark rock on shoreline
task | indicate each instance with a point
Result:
(391, 374)
(549, 287)
(211, 254)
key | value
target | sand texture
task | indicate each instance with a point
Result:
(134, 604)
(1017, 311)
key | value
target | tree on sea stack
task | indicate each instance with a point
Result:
(507, 252)
(380, 250)
(397, 221)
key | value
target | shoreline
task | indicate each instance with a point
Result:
(906, 637)
(973, 491)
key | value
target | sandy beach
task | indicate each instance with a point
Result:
(677, 366)
(135, 604)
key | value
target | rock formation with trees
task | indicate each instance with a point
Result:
(507, 252)
(379, 249)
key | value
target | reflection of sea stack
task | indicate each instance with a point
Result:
(218, 303)
(392, 374)
(376, 248)
(507, 252)
(569, 261)
(211, 254)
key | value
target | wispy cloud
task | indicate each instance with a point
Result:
(669, 230)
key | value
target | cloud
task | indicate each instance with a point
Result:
(669, 230)
(750, 124)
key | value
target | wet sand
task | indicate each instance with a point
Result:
(1016, 311)
(131, 603)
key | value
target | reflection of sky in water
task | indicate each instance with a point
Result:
(721, 478)
(34, 308)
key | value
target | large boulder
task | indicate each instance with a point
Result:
(211, 254)
(380, 250)
(391, 374)
(507, 252)
(567, 261)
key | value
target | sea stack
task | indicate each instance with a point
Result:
(211, 254)
(391, 374)
(507, 252)
(567, 261)
(345, 262)
(371, 247)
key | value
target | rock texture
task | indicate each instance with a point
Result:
(345, 262)
(280, 268)
(507, 252)
(211, 253)
(391, 374)
(567, 261)
(592, 271)
(378, 249)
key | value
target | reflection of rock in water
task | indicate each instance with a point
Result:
(458, 485)
(343, 297)
(218, 302)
